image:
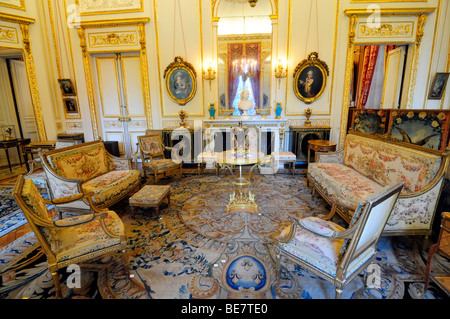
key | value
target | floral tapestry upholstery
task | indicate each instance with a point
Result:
(341, 181)
(111, 185)
(84, 162)
(150, 195)
(71, 242)
(161, 164)
(389, 164)
(152, 144)
(34, 201)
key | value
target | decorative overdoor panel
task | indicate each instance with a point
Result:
(120, 99)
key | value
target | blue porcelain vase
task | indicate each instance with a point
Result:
(212, 111)
(278, 111)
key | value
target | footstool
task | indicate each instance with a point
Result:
(150, 196)
(284, 157)
(207, 159)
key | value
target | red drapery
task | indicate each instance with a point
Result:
(236, 53)
(370, 59)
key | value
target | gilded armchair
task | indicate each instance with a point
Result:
(442, 247)
(39, 177)
(337, 254)
(71, 240)
(153, 160)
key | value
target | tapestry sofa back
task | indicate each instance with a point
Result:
(84, 163)
(389, 164)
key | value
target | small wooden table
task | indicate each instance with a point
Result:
(151, 196)
(320, 146)
(17, 143)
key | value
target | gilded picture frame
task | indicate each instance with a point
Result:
(181, 81)
(438, 86)
(67, 87)
(70, 106)
(310, 78)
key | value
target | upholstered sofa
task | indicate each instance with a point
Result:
(89, 168)
(367, 163)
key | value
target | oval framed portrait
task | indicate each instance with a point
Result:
(181, 81)
(310, 78)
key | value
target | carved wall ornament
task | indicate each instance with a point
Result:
(387, 30)
(8, 35)
(113, 39)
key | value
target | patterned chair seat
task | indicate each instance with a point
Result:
(343, 182)
(150, 195)
(320, 252)
(161, 164)
(70, 242)
(112, 185)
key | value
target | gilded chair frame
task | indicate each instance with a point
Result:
(36, 222)
(354, 233)
(147, 157)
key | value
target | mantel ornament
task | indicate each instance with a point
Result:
(310, 78)
(181, 80)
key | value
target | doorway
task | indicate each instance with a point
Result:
(16, 106)
(120, 99)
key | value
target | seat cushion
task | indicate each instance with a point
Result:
(284, 156)
(112, 186)
(162, 165)
(71, 242)
(317, 251)
(339, 180)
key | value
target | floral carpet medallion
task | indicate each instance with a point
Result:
(193, 249)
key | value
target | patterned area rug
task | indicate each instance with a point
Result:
(194, 250)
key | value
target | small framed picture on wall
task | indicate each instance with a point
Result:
(438, 86)
(67, 87)
(70, 105)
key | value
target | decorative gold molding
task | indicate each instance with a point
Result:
(90, 24)
(391, 29)
(8, 35)
(112, 39)
(15, 18)
(89, 84)
(21, 6)
(391, 11)
(145, 78)
(111, 10)
(32, 80)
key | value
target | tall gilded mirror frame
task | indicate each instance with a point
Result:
(268, 52)
(394, 26)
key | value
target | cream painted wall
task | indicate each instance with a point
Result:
(289, 42)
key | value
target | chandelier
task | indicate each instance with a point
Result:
(252, 2)
(247, 68)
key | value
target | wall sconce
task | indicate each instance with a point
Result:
(209, 74)
(280, 71)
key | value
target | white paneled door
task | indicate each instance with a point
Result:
(120, 98)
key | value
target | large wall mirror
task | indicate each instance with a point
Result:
(244, 52)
